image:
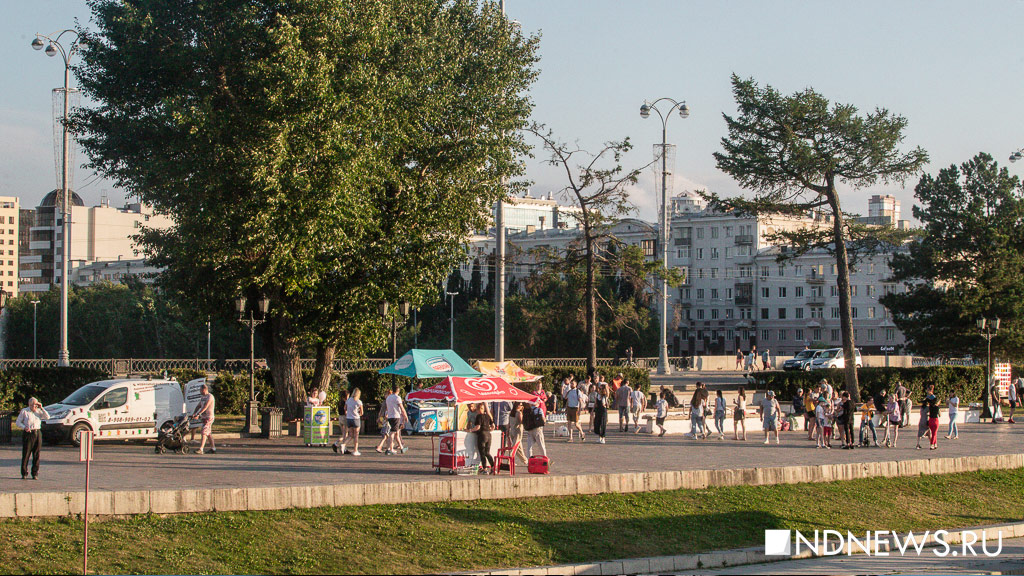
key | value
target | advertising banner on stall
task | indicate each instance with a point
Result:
(316, 425)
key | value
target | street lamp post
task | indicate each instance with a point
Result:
(645, 112)
(35, 304)
(988, 330)
(403, 309)
(1016, 155)
(451, 319)
(52, 48)
(252, 427)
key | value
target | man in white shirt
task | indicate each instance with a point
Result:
(30, 420)
(397, 417)
(1013, 399)
(574, 400)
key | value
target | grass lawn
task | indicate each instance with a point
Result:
(439, 537)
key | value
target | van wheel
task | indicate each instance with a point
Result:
(76, 433)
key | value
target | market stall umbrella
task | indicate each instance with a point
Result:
(483, 389)
(430, 364)
(507, 370)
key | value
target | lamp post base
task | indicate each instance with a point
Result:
(986, 413)
(252, 412)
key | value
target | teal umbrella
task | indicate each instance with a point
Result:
(431, 364)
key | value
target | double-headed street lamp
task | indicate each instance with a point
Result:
(645, 112)
(53, 47)
(988, 330)
(35, 304)
(242, 305)
(403, 309)
(1016, 155)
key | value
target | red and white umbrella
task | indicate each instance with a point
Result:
(463, 390)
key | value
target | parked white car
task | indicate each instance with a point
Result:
(833, 358)
(115, 409)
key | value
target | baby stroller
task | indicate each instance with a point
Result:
(173, 437)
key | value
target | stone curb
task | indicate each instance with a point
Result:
(719, 559)
(42, 504)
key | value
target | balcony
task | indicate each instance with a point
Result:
(744, 239)
(816, 301)
(815, 279)
(682, 241)
(745, 300)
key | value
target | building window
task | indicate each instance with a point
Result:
(728, 252)
(686, 293)
(764, 313)
(728, 293)
(700, 293)
(870, 289)
(816, 334)
(746, 313)
(890, 334)
(835, 335)
(871, 311)
(764, 271)
(833, 291)
(835, 312)
(745, 271)
(766, 292)
(700, 314)
(714, 232)
(798, 334)
(782, 335)
(798, 313)
(714, 273)
(714, 313)
(700, 273)
(700, 233)
(782, 270)
(700, 253)
(728, 232)
(766, 335)
(853, 312)
(714, 293)
(853, 290)
(871, 334)
(782, 313)
(730, 334)
(798, 270)
(834, 272)
(714, 253)
(782, 291)
(729, 313)
(798, 291)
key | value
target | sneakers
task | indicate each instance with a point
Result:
(600, 441)
(569, 441)
(721, 436)
(404, 449)
(389, 452)
(662, 433)
(766, 441)
(356, 453)
(200, 451)
(583, 437)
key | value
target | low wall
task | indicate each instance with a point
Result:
(122, 503)
(712, 363)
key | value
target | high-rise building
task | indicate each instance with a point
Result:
(98, 233)
(884, 207)
(10, 225)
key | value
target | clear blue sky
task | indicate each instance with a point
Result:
(954, 69)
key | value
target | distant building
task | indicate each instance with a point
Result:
(884, 211)
(528, 213)
(98, 233)
(114, 271)
(10, 226)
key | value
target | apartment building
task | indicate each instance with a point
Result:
(10, 231)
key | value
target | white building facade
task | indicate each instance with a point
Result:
(10, 231)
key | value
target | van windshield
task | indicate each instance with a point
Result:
(84, 395)
(805, 354)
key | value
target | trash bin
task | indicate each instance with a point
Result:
(270, 423)
(5, 428)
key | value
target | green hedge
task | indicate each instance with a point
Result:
(969, 382)
(48, 384)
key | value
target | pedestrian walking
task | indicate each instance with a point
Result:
(482, 428)
(204, 412)
(574, 399)
(661, 412)
(637, 405)
(515, 432)
(397, 417)
(810, 422)
(533, 424)
(739, 359)
(881, 401)
(751, 358)
(953, 407)
(894, 421)
(931, 401)
(353, 421)
(766, 360)
(384, 426)
(340, 410)
(591, 403)
(739, 414)
(1013, 395)
(30, 420)
(847, 421)
(623, 398)
(822, 410)
(697, 407)
(903, 394)
(720, 414)
(601, 412)
(770, 414)
(922, 424)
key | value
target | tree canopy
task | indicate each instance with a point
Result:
(967, 264)
(329, 155)
(794, 151)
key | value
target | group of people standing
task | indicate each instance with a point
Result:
(596, 396)
(748, 361)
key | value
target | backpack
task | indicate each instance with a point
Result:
(533, 418)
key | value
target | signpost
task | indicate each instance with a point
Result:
(887, 350)
(85, 455)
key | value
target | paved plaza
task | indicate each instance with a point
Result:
(250, 463)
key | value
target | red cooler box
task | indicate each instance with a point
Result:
(538, 465)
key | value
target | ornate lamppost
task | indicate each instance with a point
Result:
(242, 305)
(988, 330)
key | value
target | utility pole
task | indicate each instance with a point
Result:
(499, 272)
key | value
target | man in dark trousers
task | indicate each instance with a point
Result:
(30, 420)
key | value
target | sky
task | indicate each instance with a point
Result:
(953, 69)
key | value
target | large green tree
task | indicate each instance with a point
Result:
(329, 155)
(967, 264)
(795, 151)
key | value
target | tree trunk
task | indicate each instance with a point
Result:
(285, 368)
(324, 368)
(843, 284)
(591, 306)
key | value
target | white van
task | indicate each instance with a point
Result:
(115, 409)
